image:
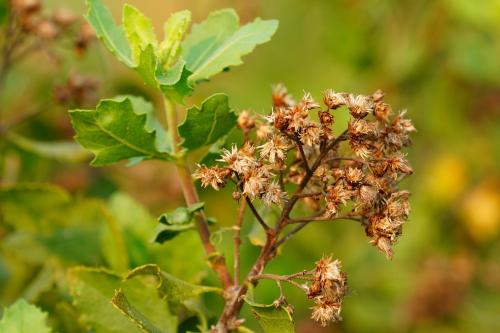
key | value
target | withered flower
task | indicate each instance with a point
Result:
(214, 176)
(333, 100)
(245, 121)
(307, 102)
(273, 195)
(281, 97)
(353, 174)
(239, 160)
(359, 106)
(255, 181)
(336, 195)
(328, 289)
(310, 134)
(274, 150)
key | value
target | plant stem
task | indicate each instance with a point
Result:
(320, 217)
(217, 261)
(256, 214)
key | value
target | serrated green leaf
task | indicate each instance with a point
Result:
(93, 289)
(272, 319)
(111, 35)
(205, 125)
(173, 223)
(121, 302)
(166, 232)
(175, 29)
(170, 287)
(65, 151)
(148, 65)
(174, 83)
(139, 31)
(116, 131)
(22, 317)
(217, 43)
(207, 36)
(141, 106)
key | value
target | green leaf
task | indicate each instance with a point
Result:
(214, 152)
(115, 131)
(22, 317)
(93, 289)
(169, 286)
(173, 223)
(121, 302)
(65, 151)
(174, 83)
(44, 221)
(272, 319)
(111, 35)
(23, 192)
(141, 106)
(207, 36)
(205, 125)
(217, 43)
(139, 31)
(138, 226)
(148, 65)
(4, 10)
(24, 204)
(175, 29)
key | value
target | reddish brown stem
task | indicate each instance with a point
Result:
(217, 261)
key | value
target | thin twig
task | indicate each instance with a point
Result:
(285, 278)
(307, 195)
(321, 217)
(290, 204)
(257, 215)
(301, 151)
(252, 207)
(281, 182)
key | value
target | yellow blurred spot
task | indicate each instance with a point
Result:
(481, 211)
(446, 178)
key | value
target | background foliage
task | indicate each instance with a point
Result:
(437, 58)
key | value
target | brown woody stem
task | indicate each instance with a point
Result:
(217, 261)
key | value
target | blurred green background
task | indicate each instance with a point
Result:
(439, 59)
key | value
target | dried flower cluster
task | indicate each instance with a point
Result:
(28, 17)
(362, 176)
(293, 156)
(328, 289)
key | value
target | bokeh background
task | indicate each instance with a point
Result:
(439, 59)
